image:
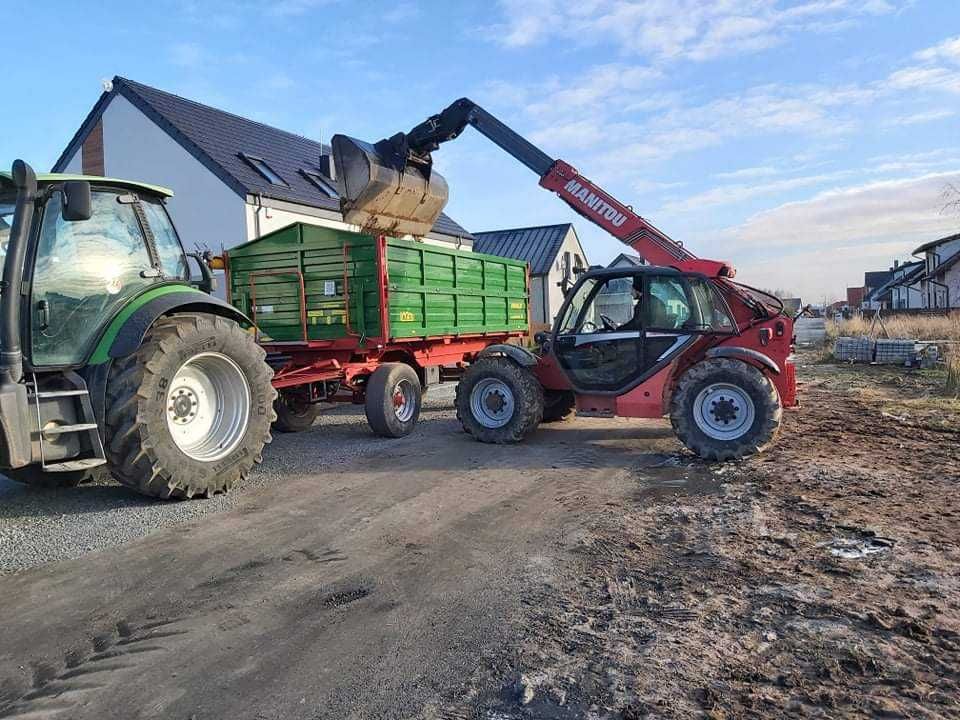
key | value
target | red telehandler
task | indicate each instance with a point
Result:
(677, 336)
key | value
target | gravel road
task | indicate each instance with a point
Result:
(39, 526)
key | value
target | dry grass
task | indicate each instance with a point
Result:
(914, 327)
(953, 372)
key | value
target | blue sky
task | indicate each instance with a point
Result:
(806, 141)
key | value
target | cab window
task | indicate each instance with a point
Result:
(84, 271)
(668, 305)
(173, 264)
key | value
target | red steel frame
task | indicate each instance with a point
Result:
(349, 360)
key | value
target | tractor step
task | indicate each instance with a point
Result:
(63, 429)
(44, 395)
(74, 465)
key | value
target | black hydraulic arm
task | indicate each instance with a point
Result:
(427, 136)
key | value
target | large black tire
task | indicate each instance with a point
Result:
(294, 414)
(491, 378)
(558, 405)
(717, 390)
(389, 414)
(141, 450)
(33, 475)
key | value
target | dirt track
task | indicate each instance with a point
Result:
(594, 570)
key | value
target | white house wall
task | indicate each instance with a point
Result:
(554, 290)
(261, 220)
(206, 211)
(75, 166)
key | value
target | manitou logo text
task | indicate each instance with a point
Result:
(598, 205)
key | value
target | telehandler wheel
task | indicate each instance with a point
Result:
(33, 475)
(725, 409)
(188, 414)
(498, 401)
(393, 400)
(558, 405)
(294, 413)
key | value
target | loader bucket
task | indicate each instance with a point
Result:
(382, 192)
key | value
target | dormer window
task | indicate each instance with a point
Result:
(321, 183)
(261, 166)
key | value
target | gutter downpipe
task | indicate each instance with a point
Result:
(11, 354)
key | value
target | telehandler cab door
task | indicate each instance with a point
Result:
(618, 328)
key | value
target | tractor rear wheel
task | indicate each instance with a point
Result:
(725, 409)
(558, 405)
(188, 414)
(294, 413)
(393, 400)
(498, 401)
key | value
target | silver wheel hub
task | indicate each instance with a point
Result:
(404, 400)
(208, 407)
(492, 403)
(724, 411)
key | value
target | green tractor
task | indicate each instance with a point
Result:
(111, 358)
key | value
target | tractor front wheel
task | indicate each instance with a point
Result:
(498, 401)
(725, 409)
(188, 414)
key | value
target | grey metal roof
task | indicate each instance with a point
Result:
(537, 245)
(218, 139)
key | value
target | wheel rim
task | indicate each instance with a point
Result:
(724, 411)
(492, 403)
(404, 400)
(208, 407)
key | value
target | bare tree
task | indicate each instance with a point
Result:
(951, 199)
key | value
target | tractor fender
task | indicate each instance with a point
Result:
(130, 335)
(749, 355)
(520, 355)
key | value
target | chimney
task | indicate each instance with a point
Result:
(896, 264)
(327, 167)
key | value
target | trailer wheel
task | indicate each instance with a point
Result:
(393, 400)
(558, 405)
(725, 409)
(294, 413)
(498, 401)
(188, 414)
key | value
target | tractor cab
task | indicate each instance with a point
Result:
(95, 244)
(620, 326)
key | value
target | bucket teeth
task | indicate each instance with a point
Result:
(384, 193)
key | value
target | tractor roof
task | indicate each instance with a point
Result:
(50, 178)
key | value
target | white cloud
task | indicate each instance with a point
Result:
(822, 244)
(938, 69)
(920, 117)
(670, 29)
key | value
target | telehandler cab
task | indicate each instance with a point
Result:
(677, 337)
(111, 358)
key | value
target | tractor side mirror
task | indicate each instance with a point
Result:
(77, 203)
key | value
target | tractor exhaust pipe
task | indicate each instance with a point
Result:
(15, 419)
(384, 189)
(11, 354)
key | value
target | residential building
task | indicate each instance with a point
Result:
(940, 283)
(627, 260)
(905, 288)
(234, 179)
(872, 282)
(855, 296)
(554, 255)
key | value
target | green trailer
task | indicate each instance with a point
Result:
(371, 319)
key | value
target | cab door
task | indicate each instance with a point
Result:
(618, 330)
(83, 273)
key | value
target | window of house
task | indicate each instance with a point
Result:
(261, 166)
(320, 183)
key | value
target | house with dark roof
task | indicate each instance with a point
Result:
(626, 260)
(554, 255)
(940, 282)
(234, 179)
